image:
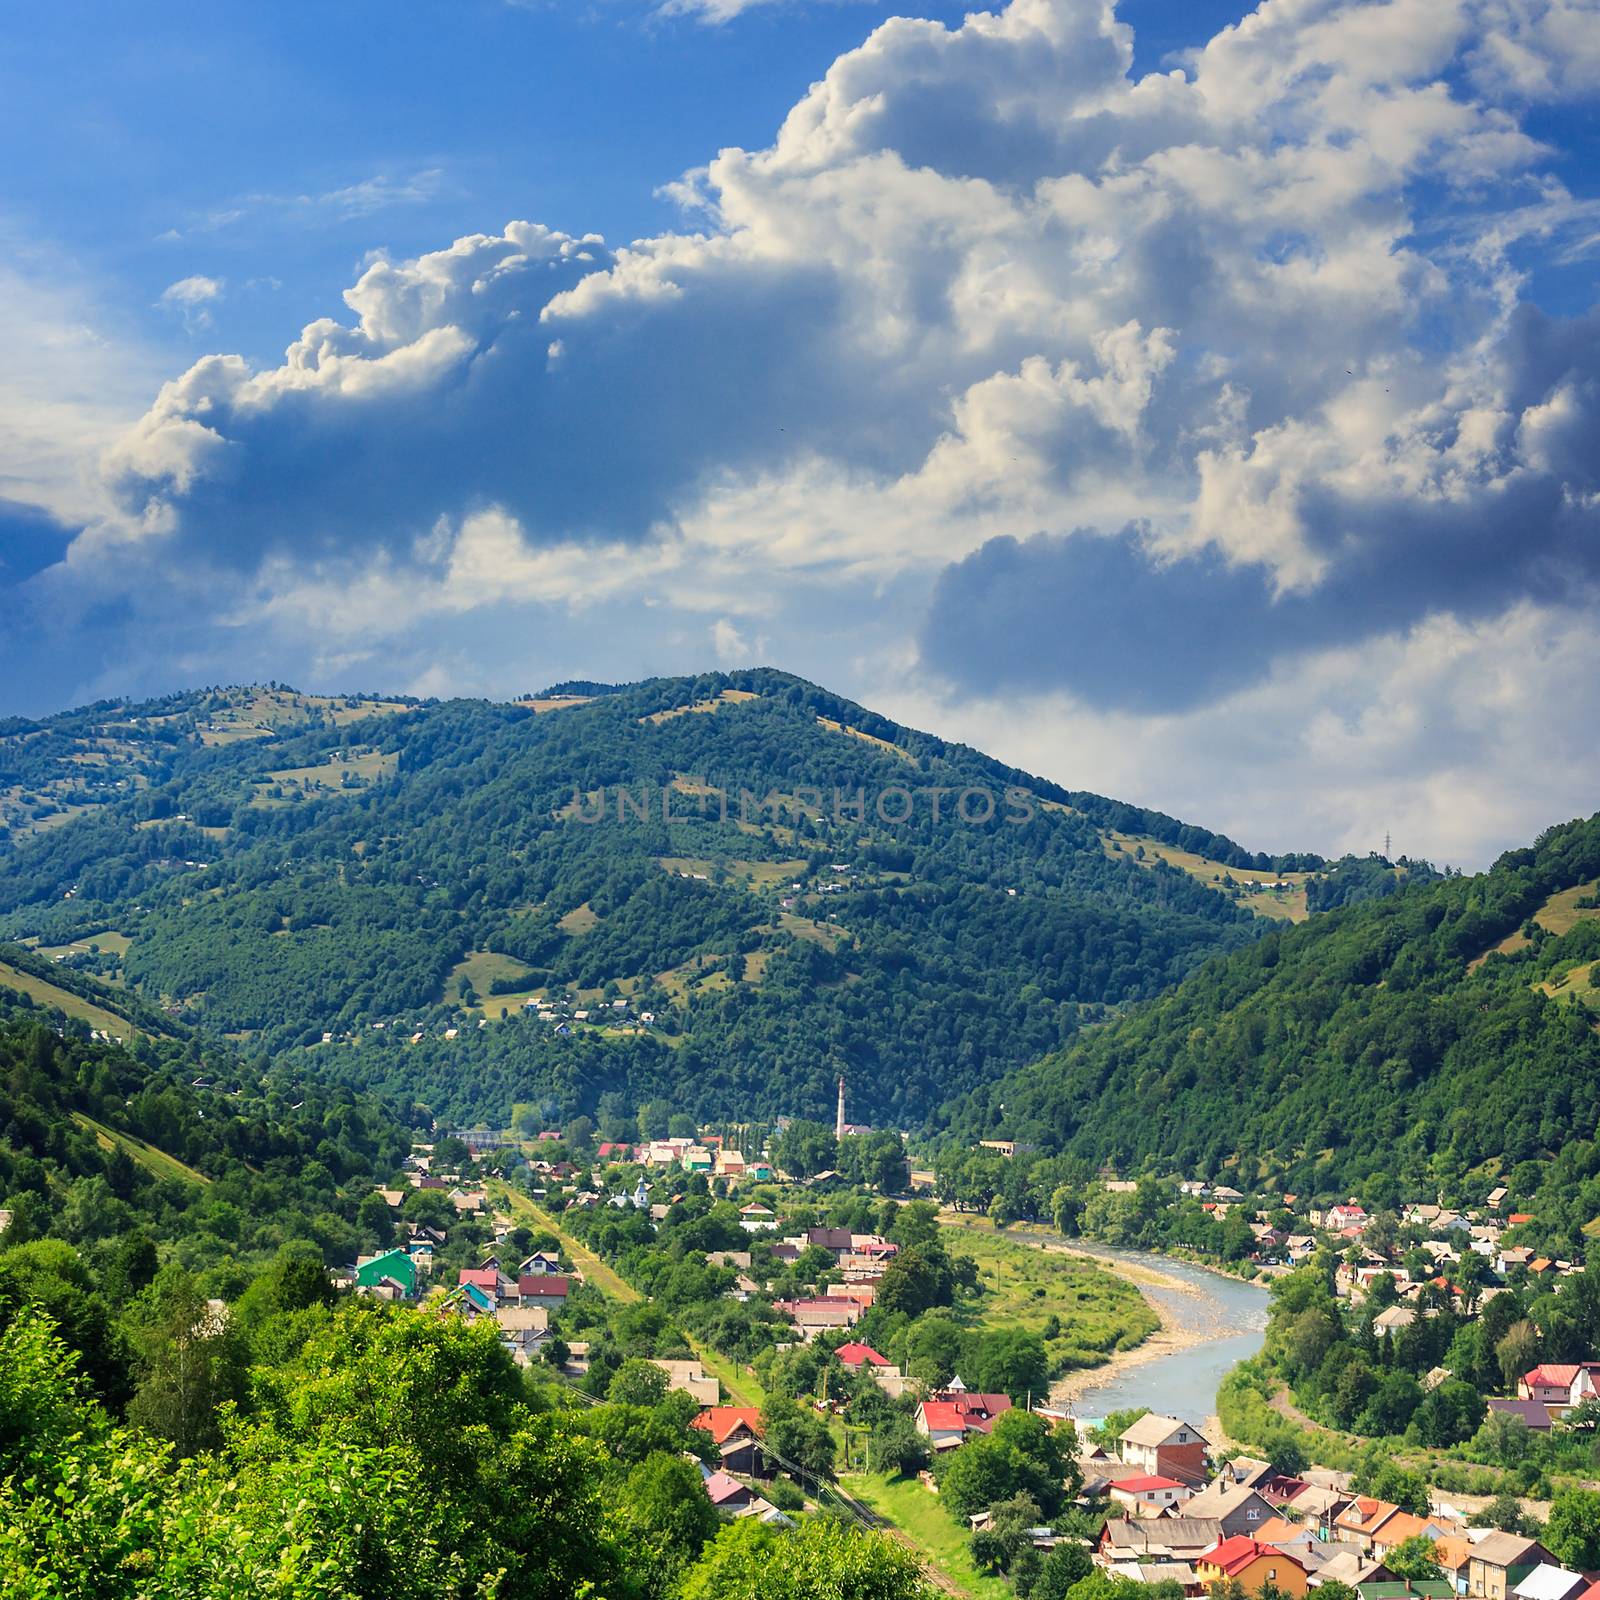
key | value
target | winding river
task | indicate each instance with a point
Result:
(1213, 1321)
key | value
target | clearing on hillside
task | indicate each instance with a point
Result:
(64, 1000)
(728, 697)
(866, 738)
(156, 1162)
(1279, 895)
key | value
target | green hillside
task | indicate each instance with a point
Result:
(825, 892)
(1435, 1040)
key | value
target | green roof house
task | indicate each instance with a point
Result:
(394, 1265)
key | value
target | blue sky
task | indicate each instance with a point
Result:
(1195, 402)
(274, 147)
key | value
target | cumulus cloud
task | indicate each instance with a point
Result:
(1117, 391)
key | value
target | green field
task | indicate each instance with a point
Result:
(1099, 1313)
(48, 994)
(594, 1270)
(156, 1162)
(929, 1528)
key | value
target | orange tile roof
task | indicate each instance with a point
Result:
(723, 1421)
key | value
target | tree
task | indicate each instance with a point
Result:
(1019, 1455)
(1008, 1533)
(1505, 1510)
(375, 1220)
(1414, 1559)
(1450, 1414)
(1504, 1439)
(638, 1382)
(804, 1149)
(897, 1447)
(1065, 1566)
(816, 1560)
(916, 1279)
(1405, 1488)
(190, 1359)
(1517, 1352)
(669, 1517)
(1572, 1530)
(799, 1437)
(1010, 1361)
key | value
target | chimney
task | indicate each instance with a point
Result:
(838, 1120)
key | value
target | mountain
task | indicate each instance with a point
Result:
(116, 1146)
(383, 889)
(1441, 1039)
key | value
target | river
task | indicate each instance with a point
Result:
(1212, 1322)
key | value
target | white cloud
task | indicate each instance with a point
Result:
(192, 298)
(1258, 324)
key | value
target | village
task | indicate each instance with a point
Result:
(844, 1321)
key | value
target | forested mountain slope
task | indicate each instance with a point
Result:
(1444, 1035)
(121, 1147)
(405, 878)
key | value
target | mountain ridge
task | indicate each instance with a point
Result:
(281, 867)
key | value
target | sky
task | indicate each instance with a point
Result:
(1194, 403)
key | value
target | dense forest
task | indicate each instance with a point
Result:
(357, 879)
(1429, 1042)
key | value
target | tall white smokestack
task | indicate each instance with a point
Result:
(838, 1121)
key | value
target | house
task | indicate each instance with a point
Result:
(838, 1242)
(1391, 1319)
(1181, 1573)
(1165, 1447)
(692, 1379)
(727, 1494)
(486, 1280)
(1551, 1583)
(1406, 1589)
(539, 1263)
(1246, 1469)
(1179, 1538)
(391, 1275)
(1240, 1509)
(857, 1356)
(1559, 1385)
(755, 1218)
(546, 1289)
(612, 1151)
(1283, 1534)
(522, 1330)
(736, 1432)
(946, 1419)
(1362, 1518)
(1149, 1495)
(1533, 1412)
(812, 1317)
(1395, 1530)
(1499, 1562)
(1350, 1567)
(1252, 1566)
(1318, 1505)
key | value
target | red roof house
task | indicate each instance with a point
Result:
(948, 1418)
(859, 1355)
